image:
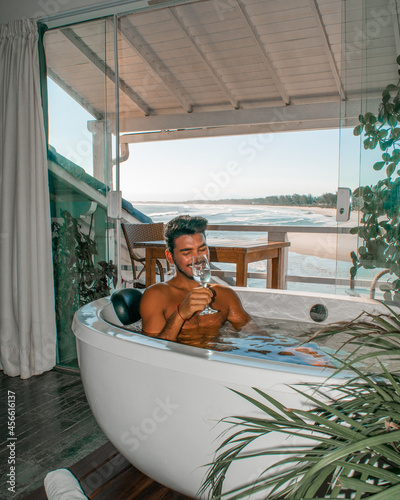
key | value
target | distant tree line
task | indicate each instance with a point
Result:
(327, 200)
(324, 200)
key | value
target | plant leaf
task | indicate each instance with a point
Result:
(378, 165)
(358, 129)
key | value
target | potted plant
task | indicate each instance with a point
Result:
(379, 226)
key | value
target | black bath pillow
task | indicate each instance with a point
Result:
(126, 305)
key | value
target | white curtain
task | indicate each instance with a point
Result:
(27, 314)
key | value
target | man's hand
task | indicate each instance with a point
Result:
(196, 300)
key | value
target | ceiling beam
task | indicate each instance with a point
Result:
(104, 68)
(278, 117)
(263, 53)
(77, 97)
(232, 99)
(161, 74)
(266, 128)
(327, 46)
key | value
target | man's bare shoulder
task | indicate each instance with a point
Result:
(154, 298)
(157, 290)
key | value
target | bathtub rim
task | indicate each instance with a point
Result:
(90, 327)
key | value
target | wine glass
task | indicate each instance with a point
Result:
(202, 274)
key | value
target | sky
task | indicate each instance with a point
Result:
(244, 166)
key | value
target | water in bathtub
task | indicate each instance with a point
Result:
(263, 338)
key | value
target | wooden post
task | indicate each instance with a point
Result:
(282, 273)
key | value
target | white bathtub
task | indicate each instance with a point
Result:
(160, 403)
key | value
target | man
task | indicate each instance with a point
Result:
(168, 309)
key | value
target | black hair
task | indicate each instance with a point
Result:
(181, 226)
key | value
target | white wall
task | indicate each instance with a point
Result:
(11, 10)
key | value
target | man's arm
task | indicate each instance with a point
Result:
(237, 316)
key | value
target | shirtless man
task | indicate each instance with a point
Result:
(168, 309)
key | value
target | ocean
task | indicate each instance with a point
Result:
(298, 265)
(237, 214)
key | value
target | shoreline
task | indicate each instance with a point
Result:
(324, 245)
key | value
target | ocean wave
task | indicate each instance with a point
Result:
(212, 209)
(163, 214)
(239, 214)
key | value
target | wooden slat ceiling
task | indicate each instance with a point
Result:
(222, 66)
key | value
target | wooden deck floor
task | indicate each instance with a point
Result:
(106, 475)
(56, 429)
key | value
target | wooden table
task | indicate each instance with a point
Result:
(237, 252)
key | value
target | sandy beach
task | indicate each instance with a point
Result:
(330, 246)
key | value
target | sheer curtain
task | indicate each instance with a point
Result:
(27, 315)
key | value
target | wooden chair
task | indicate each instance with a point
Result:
(134, 234)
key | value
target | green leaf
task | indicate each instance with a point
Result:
(362, 251)
(369, 129)
(362, 232)
(353, 447)
(378, 165)
(367, 117)
(382, 134)
(367, 144)
(357, 130)
(390, 169)
(385, 100)
(357, 485)
(392, 493)
(392, 120)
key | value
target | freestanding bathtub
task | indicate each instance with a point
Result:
(160, 403)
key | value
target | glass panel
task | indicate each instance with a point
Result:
(232, 180)
(349, 158)
(79, 160)
(370, 166)
(81, 62)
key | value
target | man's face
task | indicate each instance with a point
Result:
(187, 247)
